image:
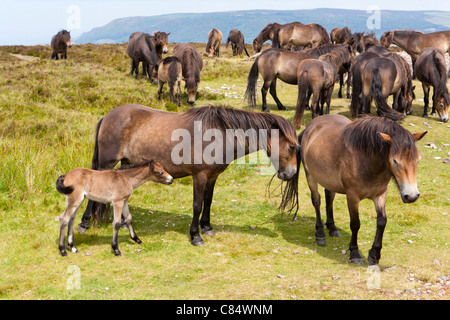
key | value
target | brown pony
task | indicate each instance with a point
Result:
(237, 42)
(192, 64)
(299, 34)
(170, 71)
(358, 159)
(430, 69)
(60, 42)
(113, 186)
(414, 42)
(266, 33)
(275, 64)
(318, 76)
(142, 47)
(214, 40)
(339, 35)
(182, 143)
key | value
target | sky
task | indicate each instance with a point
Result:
(32, 22)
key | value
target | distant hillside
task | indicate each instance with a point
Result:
(194, 27)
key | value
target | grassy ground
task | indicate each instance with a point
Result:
(48, 113)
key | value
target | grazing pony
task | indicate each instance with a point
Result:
(142, 47)
(60, 42)
(214, 41)
(300, 34)
(170, 71)
(266, 33)
(237, 42)
(113, 186)
(182, 142)
(339, 35)
(317, 76)
(430, 69)
(192, 64)
(357, 159)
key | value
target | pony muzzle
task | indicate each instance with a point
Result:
(69, 44)
(287, 174)
(409, 193)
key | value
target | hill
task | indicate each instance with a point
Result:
(194, 27)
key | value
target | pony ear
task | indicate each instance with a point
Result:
(385, 137)
(419, 135)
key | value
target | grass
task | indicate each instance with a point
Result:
(48, 113)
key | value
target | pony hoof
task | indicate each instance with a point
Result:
(357, 261)
(82, 227)
(372, 261)
(74, 250)
(335, 233)
(321, 241)
(117, 252)
(209, 232)
(282, 108)
(197, 241)
(63, 252)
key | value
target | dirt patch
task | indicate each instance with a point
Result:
(26, 58)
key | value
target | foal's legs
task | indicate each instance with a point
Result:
(128, 220)
(160, 88)
(179, 92)
(67, 218)
(375, 252)
(117, 222)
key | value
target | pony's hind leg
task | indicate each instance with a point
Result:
(117, 222)
(329, 198)
(67, 219)
(273, 93)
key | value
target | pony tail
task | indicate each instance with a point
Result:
(227, 43)
(356, 90)
(275, 41)
(61, 188)
(442, 86)
(383, 109)
(250, 92)
(95, 163)
(302, 99)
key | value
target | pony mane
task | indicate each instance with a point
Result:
(229, 118)
(362, 134)
(136, 165)
(339, 55)
(320, 50)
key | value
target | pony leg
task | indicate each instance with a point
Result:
(329, 198)
(65, 219)
(315, 199)
(199, 194)
(179, 92)
(128, 220)
(375, 252)
(433, 110)
(172, 97)
(264, 89)
(328, 99)
(353, 203)
(341, 84)
(273, 93)
(315, 104)
(349, 81)
(160, 89)
(117, 222)
(205, 220)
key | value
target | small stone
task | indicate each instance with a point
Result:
(88, 253)
(281, 276)
(336, 277)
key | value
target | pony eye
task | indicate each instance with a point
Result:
(291, 147)
(160, 173)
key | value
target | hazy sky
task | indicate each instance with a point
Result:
(30, 22)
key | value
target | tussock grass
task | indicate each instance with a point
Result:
(48, 113)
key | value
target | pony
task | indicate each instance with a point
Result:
(275, 64)
(237, 42)
(115, 186)
(339, 35)
(161, 41)
(142, 47)
(299, 34)
(266, 33)
(59, 44)
(430, 69)
(182, 143)
(192, 64)
(318, 77)
(170, 71)
(414, 42)
(356, 158)
(213, 45)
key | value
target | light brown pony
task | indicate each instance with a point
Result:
(214, 40)
(170, 72)
(318, 76)
(266, 33)
(339, 35)
(414, 42)
(192, 64)
(357, 159)
(237, 43)
(299, 34)
(275, 64)
(180, 142)
(431, 70)
(60, 42)
(108, 186)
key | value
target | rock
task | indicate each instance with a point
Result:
(446, 160)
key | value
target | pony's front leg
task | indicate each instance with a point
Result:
(375, 252)
(315, 199)
(199, 194)
(353, 203)
(205, 223)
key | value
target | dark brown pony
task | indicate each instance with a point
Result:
(170, 72)
(299, 34)
(431, 70)
(60, 42)
(339, 35)
(214, 41)
(266, 33)
(142, 47)
(182, 143)
(317, 76)
(358, 159)
(414, 42)
(388, 74)
(192, 64)
(237, 42)
(275, 64)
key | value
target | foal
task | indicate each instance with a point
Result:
(170, 71)
(105, 186)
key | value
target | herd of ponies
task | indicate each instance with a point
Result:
(356, 157)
